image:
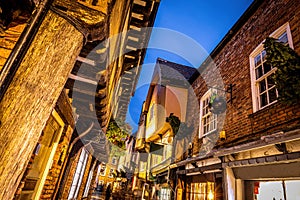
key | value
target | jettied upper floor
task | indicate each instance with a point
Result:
(49, 46)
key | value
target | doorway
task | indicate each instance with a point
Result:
(43, 157)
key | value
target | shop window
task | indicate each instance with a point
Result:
(88, 183)
(278, 190)
(77, 178)
(165, 194)
(264, 92)
(208, 120)
(201, 191)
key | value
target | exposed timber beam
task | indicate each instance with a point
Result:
(86, 60)
(85, 80)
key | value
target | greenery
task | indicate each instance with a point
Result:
(287, 62)
(174, 121)
(117, 132)
(180, 129)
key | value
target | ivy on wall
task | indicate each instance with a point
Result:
(286, 77)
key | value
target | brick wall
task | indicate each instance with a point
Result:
(233, 62)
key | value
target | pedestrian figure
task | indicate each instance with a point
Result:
(108, 192)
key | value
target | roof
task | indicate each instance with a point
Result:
(179, 72)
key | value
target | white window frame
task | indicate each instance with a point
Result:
(78, 175)
(254, 83)
(201, 127)
(88, 183)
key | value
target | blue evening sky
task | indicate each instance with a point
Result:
(180, 23)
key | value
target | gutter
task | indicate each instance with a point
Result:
(20, 49)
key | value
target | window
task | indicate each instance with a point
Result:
(102, 169)
(114, 160)
(200, 191)
(264, 92)
(278, 190)
(208, 120)
(77, 179)
(88, 183)
(165, 194)
(111, 173)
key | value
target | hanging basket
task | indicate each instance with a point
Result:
(217, 104)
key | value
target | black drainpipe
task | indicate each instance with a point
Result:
(16, 56)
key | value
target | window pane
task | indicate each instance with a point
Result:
(263, 100)
(257, 60)
(258, 72)
(262, 86)
(272, 95)
(283, 38)
(270, 190)
(292, 189)
(267, 68)
(270, 81)
(263, 53)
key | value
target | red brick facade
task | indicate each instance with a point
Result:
(232, 59)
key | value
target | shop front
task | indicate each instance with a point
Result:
(269, 172)
(201, 180)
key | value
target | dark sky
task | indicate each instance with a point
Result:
(185, 32)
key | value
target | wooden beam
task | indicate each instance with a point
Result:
(85, 80)
(90, 93)
(86, 60)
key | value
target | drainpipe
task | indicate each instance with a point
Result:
(16, 56)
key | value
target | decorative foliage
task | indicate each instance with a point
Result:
(217, 104)
(174, 121)
(117, 132)
(286, 77)
(180, 129)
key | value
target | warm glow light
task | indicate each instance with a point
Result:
(210, 195)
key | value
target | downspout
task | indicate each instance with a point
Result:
(16, 56)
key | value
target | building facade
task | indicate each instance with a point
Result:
(59, 81)
(256, 153)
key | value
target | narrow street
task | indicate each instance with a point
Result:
(149, 100)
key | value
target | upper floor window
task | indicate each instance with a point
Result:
(263, 88)
(114, 160)
(208, 120)
(103, 169)
(111, 173)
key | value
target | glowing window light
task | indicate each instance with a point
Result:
(210, 195)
